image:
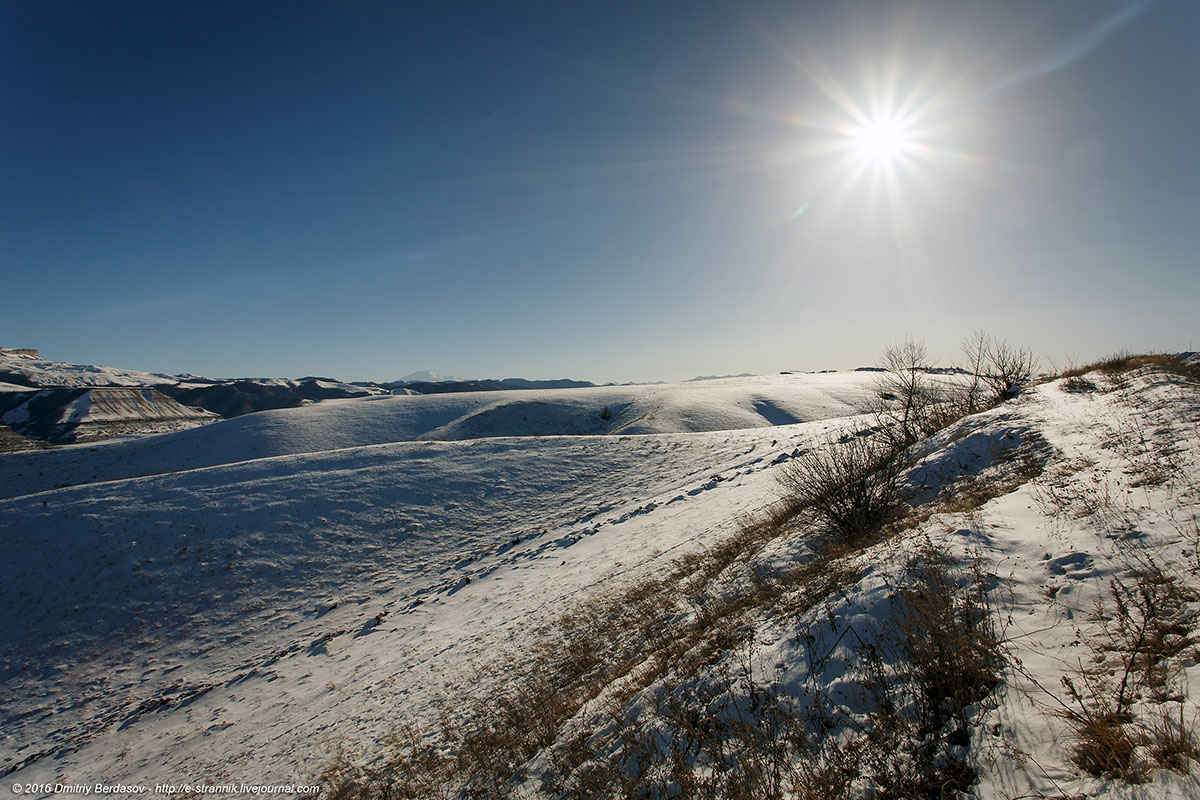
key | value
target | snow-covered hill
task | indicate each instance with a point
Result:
(51, 401)
(728, 404)
(28, 370)
(272, 531)
(302, 581)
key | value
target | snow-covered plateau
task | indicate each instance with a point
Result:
(240, 603)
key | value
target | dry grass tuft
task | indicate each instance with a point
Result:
(1173, 742)
(1079, 384)
(1120, 706)
(1104, 745)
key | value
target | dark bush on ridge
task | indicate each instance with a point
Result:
(850, 482)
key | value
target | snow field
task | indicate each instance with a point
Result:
(247, 619)
(727, 404)
(180, 596)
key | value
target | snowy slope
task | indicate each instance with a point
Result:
(243, 621)
(41, 372)
(210, 585)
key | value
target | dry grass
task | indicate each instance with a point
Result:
(592, 663)
(1105, 744)
(1120, 707)
(1125, 707)
(706, 728)
(718, 733)
(1124, 362)
(947, 656)
(1079, 384)
(1173, 742)
(950, 638)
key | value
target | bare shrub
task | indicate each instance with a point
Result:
(850, 482)
(916, 401)
(993, 371)
(975, 352)
(910, 400)
(1009, 369)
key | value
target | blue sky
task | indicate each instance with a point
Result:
(610, 191)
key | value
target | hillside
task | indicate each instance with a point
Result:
(40, 400)
(301, 582)
(80, 414)
(730, 404)
(32, 371)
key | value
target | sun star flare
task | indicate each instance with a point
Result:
(883, 140)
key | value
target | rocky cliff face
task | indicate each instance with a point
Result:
(77, 414)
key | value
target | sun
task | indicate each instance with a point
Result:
(883, 140)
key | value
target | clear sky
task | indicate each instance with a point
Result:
(601, 190)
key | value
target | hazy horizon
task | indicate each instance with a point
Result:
(611, 192)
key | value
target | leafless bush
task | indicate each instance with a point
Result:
(850, 482)
(916, 401)
(1009, 369)
(993, 371)
(912, 404)
(975, 353)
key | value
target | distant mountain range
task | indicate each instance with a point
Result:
(484, 385)
(425, 376)
(717, 377)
